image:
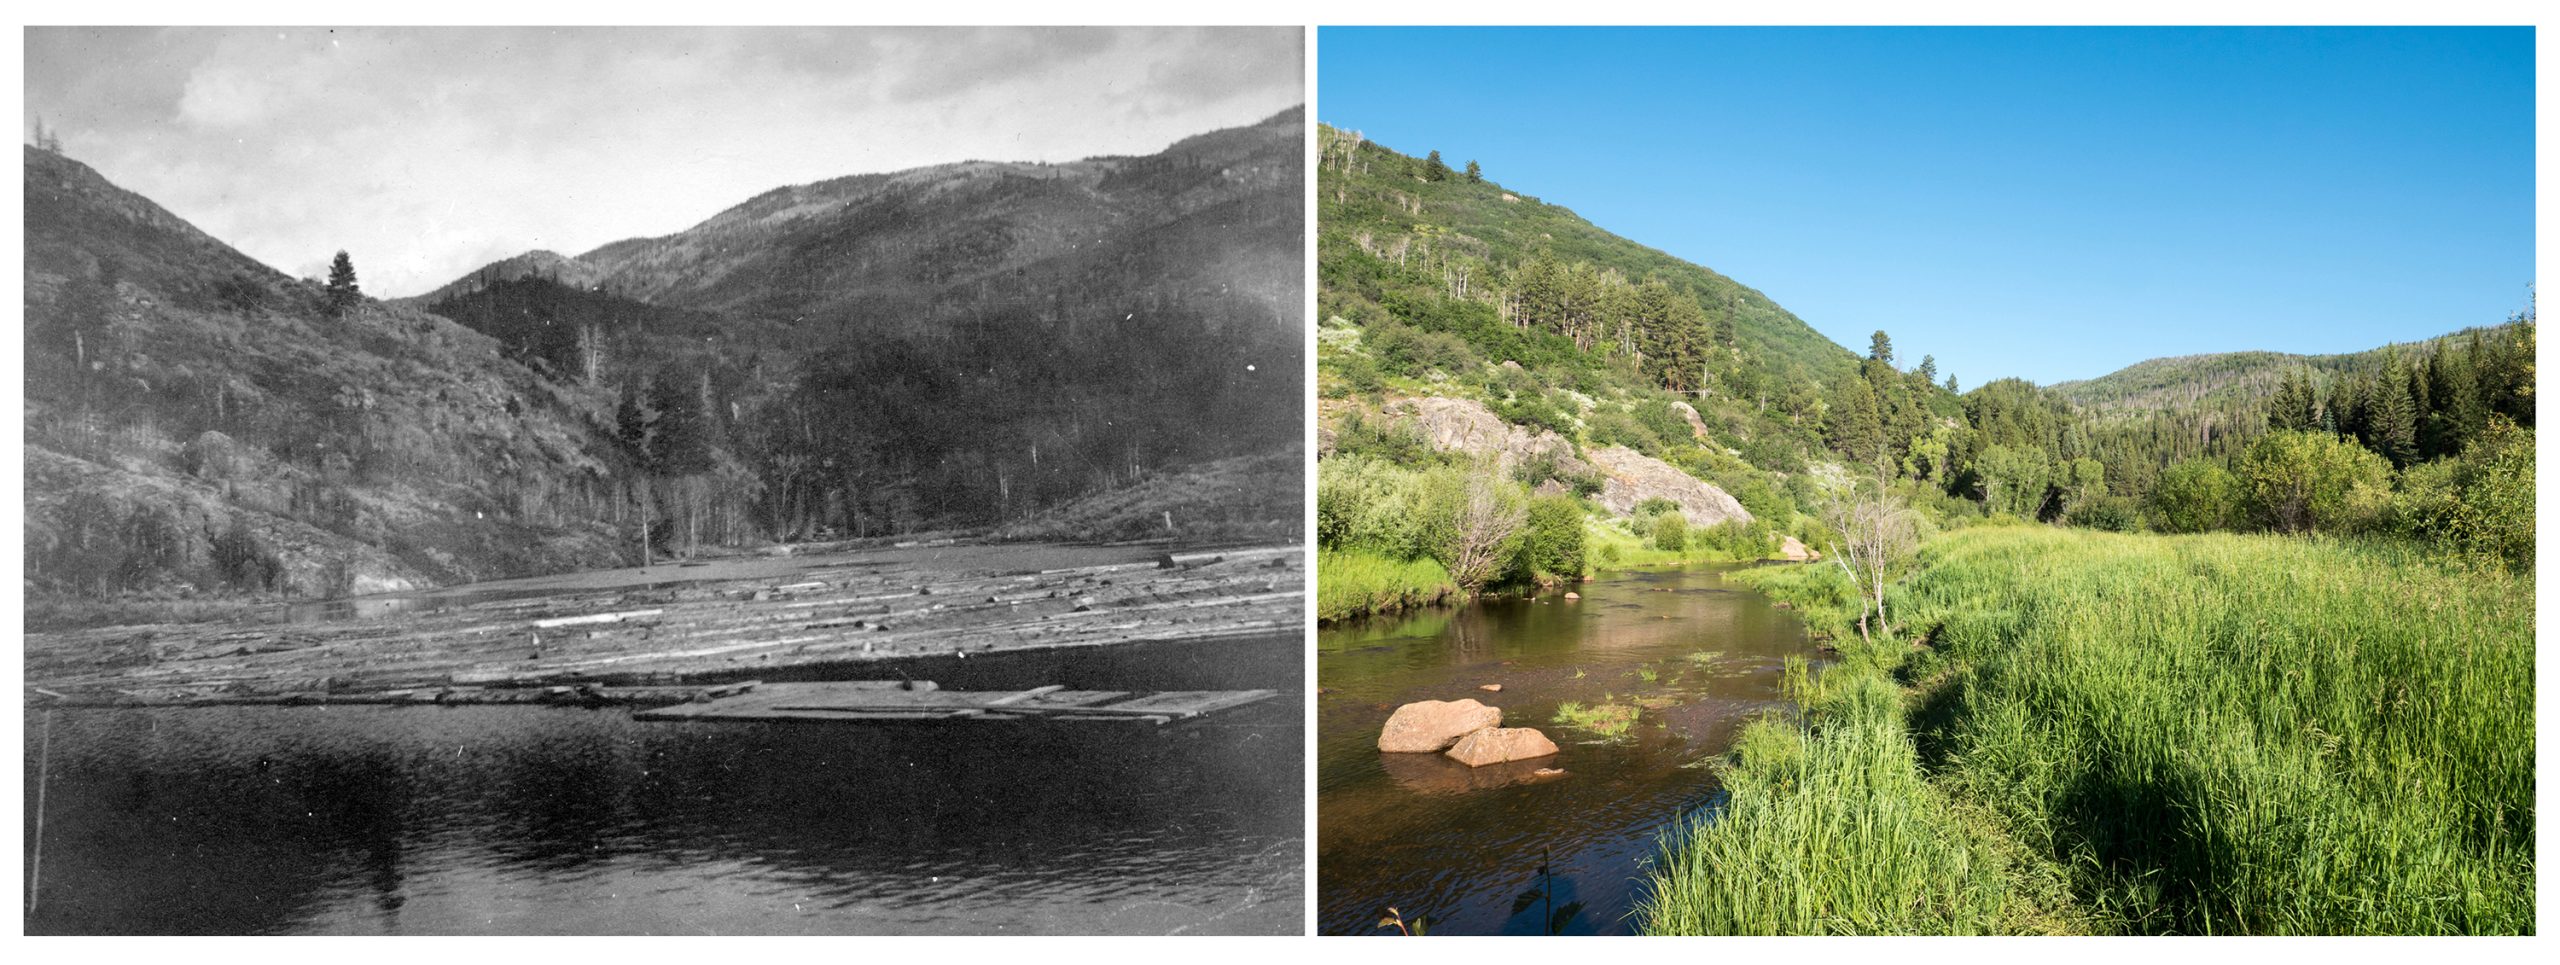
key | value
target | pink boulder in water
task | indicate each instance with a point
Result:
(1427, 726)
(1496, 745)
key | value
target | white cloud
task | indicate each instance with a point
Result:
(427, 152)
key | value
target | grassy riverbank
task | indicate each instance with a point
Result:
(1359, 582)
(2139, 734)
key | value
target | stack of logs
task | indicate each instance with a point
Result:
(829, 613)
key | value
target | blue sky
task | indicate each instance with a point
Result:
(2051, 204)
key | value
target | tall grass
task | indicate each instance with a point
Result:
(2208, 734)
(1831, 835)
(1353, 583)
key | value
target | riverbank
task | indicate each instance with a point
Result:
(1681, 656)
(1354, 583)
(713, 620)
(2089, 732)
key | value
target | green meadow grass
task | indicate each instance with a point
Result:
(1351, 583)
(2145, 734)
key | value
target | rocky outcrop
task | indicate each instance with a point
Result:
(1430, 726)
(1499, 745)
(1697, 426)
(1634, 477)
(1465, 425)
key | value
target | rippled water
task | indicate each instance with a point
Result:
(365, 820)
(1461, 846)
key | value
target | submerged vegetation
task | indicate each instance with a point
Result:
(2138, 734)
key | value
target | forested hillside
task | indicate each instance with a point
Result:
(1438, 283)
(964, 344)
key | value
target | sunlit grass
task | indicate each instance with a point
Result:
(2203, 734)
(1352, 583)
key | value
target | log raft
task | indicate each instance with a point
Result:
(577, 643)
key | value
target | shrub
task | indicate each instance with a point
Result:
(1369, 505)
(1552, 544)
(2479, 502)
(1535, 410)
(2301, 481)
(1394, 440)
(1471, 522)
(1360, 374)
(1754, 540)
(1671, 531)
(2196, 495)
(1662, 417)
(1610, 427)
(2115, 514)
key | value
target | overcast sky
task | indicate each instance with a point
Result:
(426, 153)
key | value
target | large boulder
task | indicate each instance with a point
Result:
(1794, 550)
(1634, 477)
(1499, 745)
(1430, 726)
(1437, 774)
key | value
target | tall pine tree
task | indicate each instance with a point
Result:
(343, 293)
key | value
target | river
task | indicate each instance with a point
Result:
(1462, 847)
(531, 820)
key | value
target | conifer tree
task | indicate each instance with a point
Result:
(343, 293)
(1434, 169)
(1880, 348)
(1475, 173)
(2391, 417)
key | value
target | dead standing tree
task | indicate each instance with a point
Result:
(1878, 531)
(1481, 515)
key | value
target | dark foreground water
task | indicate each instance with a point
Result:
(514, 820)
(1462, 846)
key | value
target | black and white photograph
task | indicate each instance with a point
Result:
(664, 481)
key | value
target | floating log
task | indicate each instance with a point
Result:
(870, 701)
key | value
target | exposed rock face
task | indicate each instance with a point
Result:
(1634, 477)
(1465, 425)
(1430, 726)
(1697, 426)
(1497, 745)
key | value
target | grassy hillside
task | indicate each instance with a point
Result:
(2144, 734)
(1379, 205)
(932, 243)
(196, 422)
(1435, 284)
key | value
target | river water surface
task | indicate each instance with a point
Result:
(518, 820)
(1462, 846)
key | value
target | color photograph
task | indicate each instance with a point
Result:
(1925, 481)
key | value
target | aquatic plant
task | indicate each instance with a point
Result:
(1607, 719)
